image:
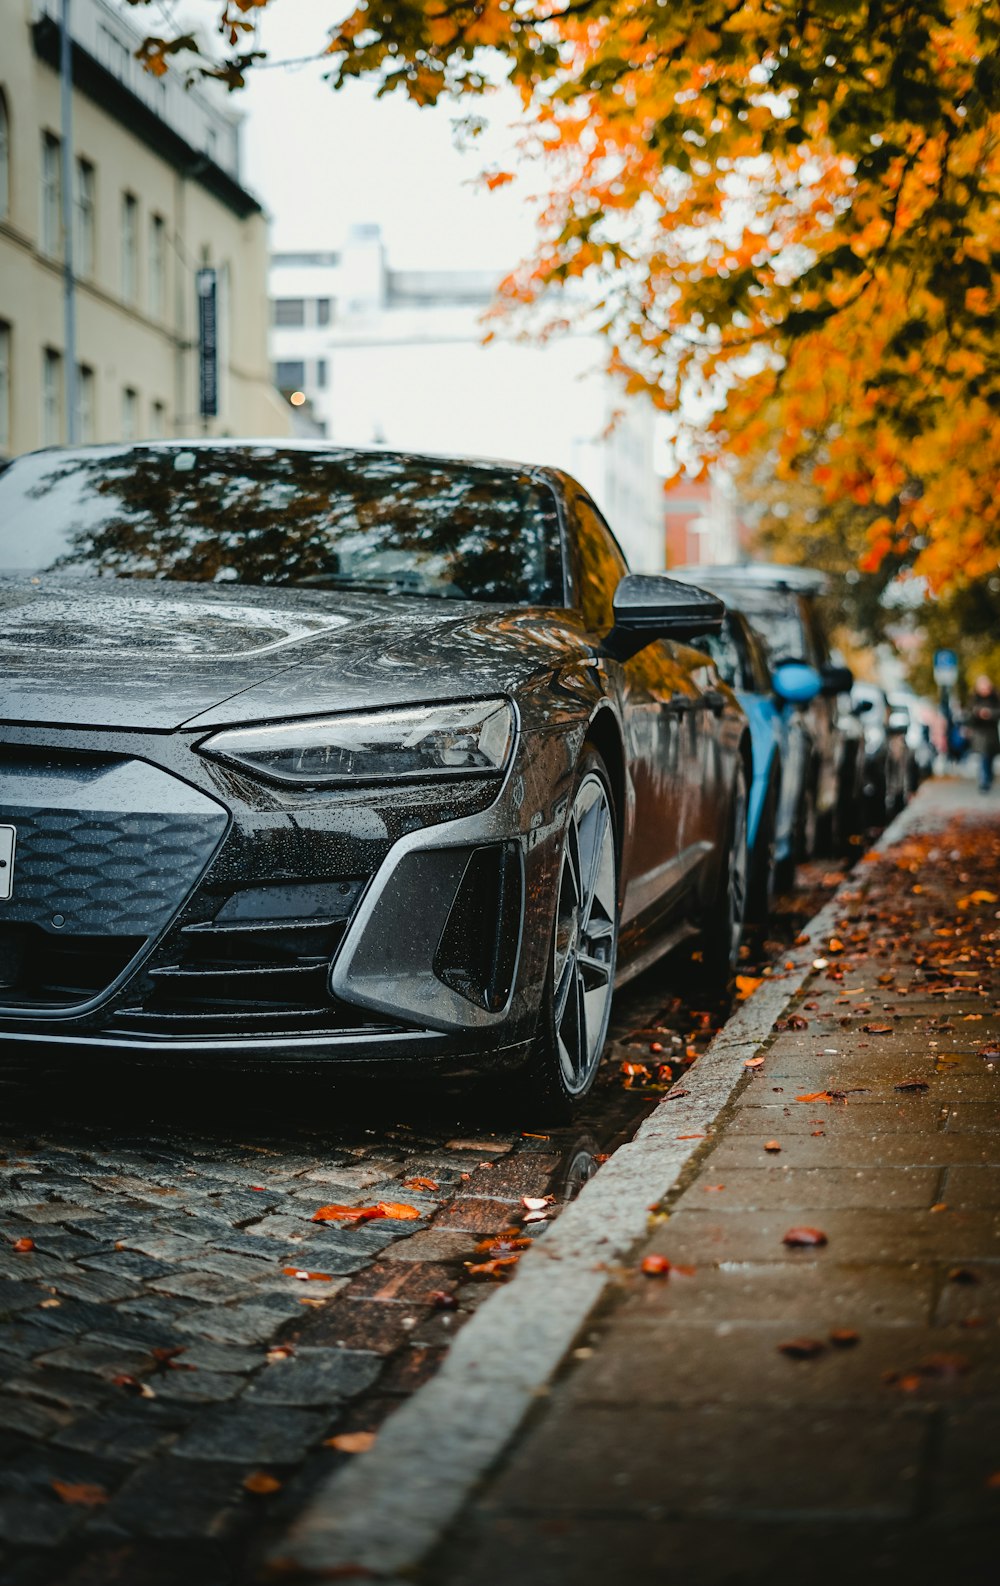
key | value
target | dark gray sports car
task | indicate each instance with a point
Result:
(312, 753)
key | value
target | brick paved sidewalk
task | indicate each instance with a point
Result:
(685, 1441)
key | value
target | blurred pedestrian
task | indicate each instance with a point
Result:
(983, 727)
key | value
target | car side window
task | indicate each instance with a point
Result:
(600, 566)
(757, 664)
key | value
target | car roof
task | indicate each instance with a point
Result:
(280, 443)
(754, 575)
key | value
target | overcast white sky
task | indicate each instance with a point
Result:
(323, 161)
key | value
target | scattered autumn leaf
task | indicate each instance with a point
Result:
(428, 1184)
(86, 1493)
(350, 1442)
(307, 1277)
(356, 1214)
(503, 1243)
(772, 1145)
(746, 985)
(816, 1095)
(261, 1483)
(797, 1237)
(802, 1348)
(844, 1338)
(536, 1203)
(877, 1029)
(655, 1266)
(753, 1062)
(499, 1267)
(24, 1245)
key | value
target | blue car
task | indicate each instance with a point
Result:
(779, 748)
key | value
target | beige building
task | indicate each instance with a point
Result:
(156, 196)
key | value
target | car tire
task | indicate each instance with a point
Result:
(580, 975)
(763, 878)
(722, 928)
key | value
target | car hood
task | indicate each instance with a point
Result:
(162, 656)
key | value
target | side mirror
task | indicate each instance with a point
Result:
(795, 683)
(837, 679)
(651, 606)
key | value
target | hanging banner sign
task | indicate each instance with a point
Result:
(208, 343)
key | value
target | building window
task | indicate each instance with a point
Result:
(84, 239)
(4, 389)
(51, 397)
(85, 427)
(130, 247)
(51, 195)
(158, 421)
(157, 266)
(130, 414)
(4, 158)
(289, 310)
(290, 374)
(322, 311)
(321, 374)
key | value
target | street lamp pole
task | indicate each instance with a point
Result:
(69, 280)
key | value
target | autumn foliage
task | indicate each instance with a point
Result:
(783, 216)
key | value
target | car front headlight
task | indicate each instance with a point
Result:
(468, 739)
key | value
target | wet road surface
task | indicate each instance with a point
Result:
(180, 1340)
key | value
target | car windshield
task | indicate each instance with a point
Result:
(271, 515)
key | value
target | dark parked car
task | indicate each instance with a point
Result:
(780, 749)
(889, 773)
(321, 753)
(782, 603)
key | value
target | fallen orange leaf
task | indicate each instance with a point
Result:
(497, 1268)
(746, 985)
(87, 1493)
(753, 1062)
(421, 1184)
(772, 1145)
(397, 1211)
(22, 1246)
(306, 1277)
(350, 1442)
(260, 1482)
(655, 1266)
(804, 1236)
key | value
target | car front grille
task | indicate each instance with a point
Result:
(253, 977)
(43, 972)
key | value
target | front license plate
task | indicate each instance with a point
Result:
(8, 835)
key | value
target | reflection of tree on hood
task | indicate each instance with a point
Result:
(273, 517)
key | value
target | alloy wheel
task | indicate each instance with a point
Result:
(586, 935)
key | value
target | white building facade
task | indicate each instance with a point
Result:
(157, 195)
(375, 356)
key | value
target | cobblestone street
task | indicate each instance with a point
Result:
(179, 1339)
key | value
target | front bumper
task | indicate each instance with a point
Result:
(222, 917)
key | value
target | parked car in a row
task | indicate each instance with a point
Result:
(821, 799)
(318, 754)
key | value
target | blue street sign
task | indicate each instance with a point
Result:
(945, 668)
